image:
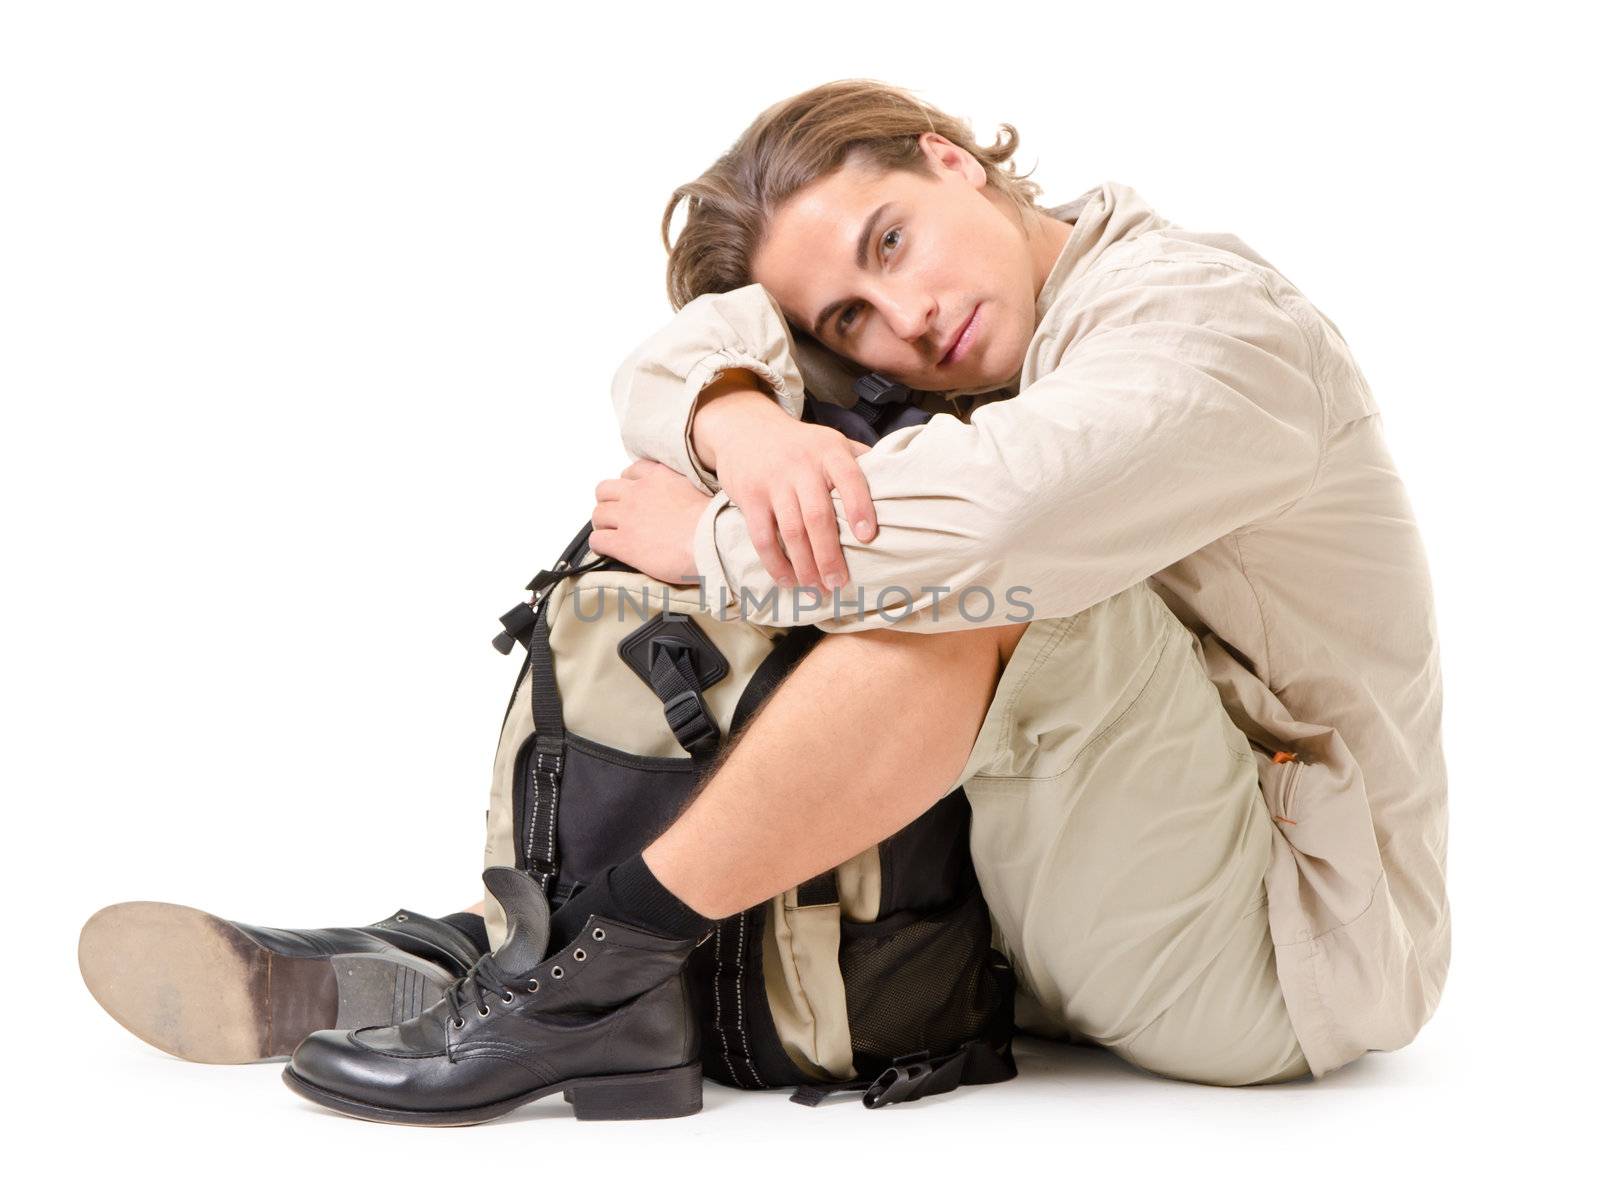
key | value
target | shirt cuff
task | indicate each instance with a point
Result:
(708, 565)
(706, 372)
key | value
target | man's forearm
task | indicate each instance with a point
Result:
(732, 390)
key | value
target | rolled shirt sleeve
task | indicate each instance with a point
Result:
(1183, 406)
(657, 388)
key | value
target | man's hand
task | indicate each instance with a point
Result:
(780, 472)
(647, 518)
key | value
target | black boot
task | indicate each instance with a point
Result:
(608, 1020)
(208, 989)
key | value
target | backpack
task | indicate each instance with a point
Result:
(878, 975)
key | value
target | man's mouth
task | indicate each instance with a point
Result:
(963, 341)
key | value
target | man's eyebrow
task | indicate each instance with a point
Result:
(861, 263)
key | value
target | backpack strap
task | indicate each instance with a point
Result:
(676, 682)
(674, 657)
(517, 624)
(549, 756)
(919, 1074)
(791, 647)
(528, 624)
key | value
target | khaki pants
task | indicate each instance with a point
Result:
(1121, 839)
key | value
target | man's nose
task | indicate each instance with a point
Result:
(909, 313)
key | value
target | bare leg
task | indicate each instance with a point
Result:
(870, 730)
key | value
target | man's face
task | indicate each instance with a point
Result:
(939, 251)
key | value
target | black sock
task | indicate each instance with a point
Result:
(631, 894)
(471, 926)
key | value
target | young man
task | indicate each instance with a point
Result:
(1207, 787)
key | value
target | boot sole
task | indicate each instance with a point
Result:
(194, 986)
(657, 1094)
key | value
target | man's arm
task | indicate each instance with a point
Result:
(721, 341)
(720, 401)
(1184, 408)
(698, 397)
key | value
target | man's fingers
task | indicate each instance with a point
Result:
(608, 488)
(822, 528)
(764, 540)
(607, 514)
(792, 528)
(851, 484)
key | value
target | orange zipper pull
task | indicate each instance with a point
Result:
(1283, 755)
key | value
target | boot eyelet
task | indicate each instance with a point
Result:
(578, 954)
(599, 933)
(533, 986)
(508, 998)
(557, 972)
(484, 1011)
(401, 918)
(458, 1024)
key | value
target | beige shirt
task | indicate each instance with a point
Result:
(1185, 416)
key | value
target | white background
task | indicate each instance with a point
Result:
(308, 313)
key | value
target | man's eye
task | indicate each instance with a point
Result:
(843, 324)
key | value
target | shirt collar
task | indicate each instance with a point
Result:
(1101, 217)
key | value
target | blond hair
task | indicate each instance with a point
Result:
(792, 144)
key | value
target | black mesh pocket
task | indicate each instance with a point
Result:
(924, 980)
(612, 804)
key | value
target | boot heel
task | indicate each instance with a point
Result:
(659, 1094)
(384, 988)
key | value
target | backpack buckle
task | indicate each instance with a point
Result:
(518, 624)
(690, 721)
(901, 1082)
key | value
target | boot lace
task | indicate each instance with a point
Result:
(480, 982)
